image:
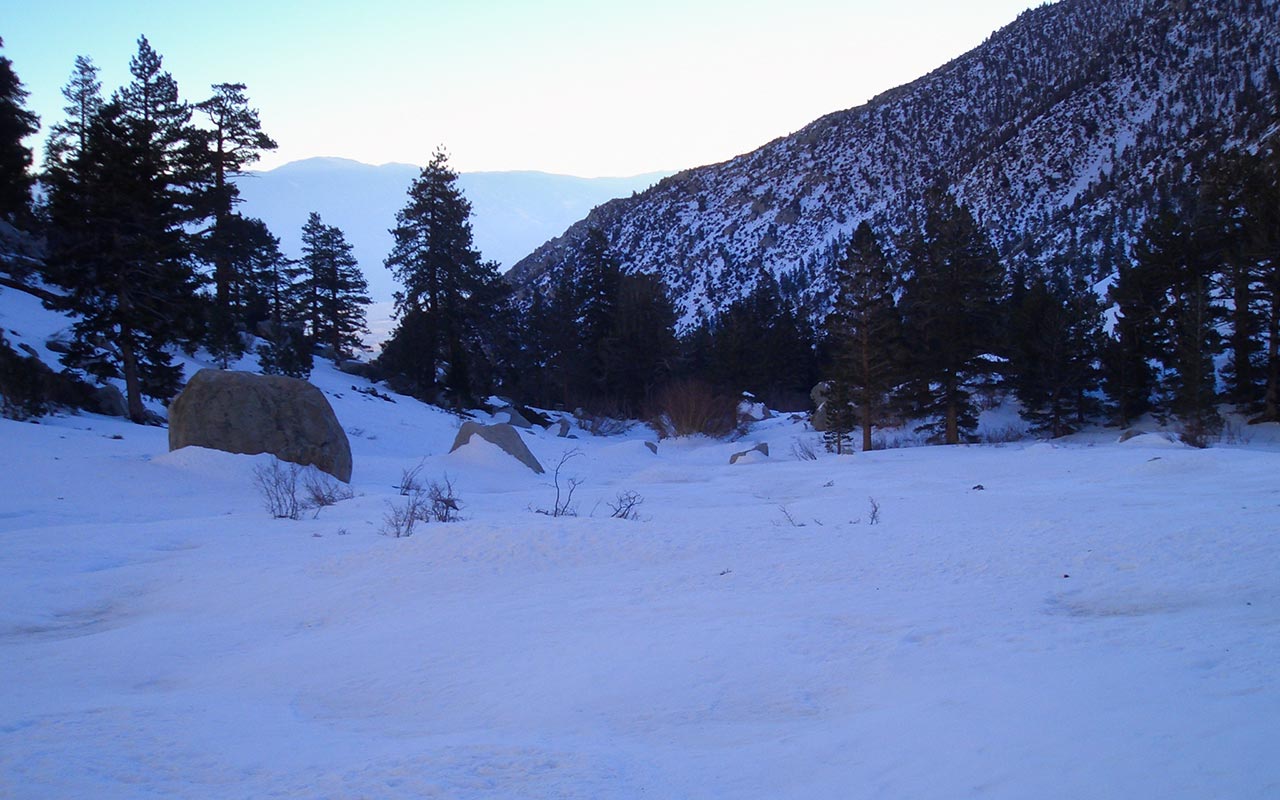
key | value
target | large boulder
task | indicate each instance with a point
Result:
(240, 412)
(504, 436)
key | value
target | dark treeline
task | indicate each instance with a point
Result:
(1195, 320)
(149, 253)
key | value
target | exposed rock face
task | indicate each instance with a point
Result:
(504, 436)
(819, 395)
(514, 417)
(110, 401)
(240, 412)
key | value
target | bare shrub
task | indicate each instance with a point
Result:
(402, 518)
(442, 502)
(1235, 433)
(624, 507)
(803, 450)
(690, 407)
(410, 481)
(322, 490)
(791, 520)
(565, 487)
(874, 517)
(1002, 435)
(278, 485)
(1200, 432)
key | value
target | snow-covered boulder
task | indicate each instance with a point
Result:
(762, 448)
(504, 436)
(514, 417)
(241, 412)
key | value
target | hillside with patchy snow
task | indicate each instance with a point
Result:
(1062, 132)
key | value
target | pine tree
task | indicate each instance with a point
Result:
(16, 124)
(337, 291)
(864, 332)
(951, 306)
(1239, 226)
(83, 93)
(447, 295)
(118, 245)
(760, 345)
(638, 353)
(124, 275)
(841, 417)
(1128, 377)
(233, 141)
(1187, 321)
(1054, 344)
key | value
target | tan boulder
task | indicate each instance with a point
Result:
(242, 412)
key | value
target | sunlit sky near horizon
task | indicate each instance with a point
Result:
(564, 86)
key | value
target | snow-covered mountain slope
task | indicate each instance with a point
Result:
(513, 212)
(1083, 619)
(1059, 132)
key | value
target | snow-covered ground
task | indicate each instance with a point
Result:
(1098, 620)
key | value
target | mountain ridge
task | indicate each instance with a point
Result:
(1062, 132)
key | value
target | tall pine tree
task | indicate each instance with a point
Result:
(233, 141)
(864, 334)
(951, 309)
(118, 244)
(336, 289)
(1054, 344)
(448, 293)
(83, 93)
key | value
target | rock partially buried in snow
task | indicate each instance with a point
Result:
(504, 436)
(514, 417)
(241, 412)
(108, 400)
(762, 447)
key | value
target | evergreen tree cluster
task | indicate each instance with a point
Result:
(144, 240)
(1195, 322)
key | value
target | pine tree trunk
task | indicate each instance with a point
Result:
(953, 411)
(1271, 402)
(129, 358)
(132, 378)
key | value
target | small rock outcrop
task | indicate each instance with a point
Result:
(241, 412)
(762, 447)
(504, 436)
(514, 417)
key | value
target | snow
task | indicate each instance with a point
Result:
(1098, 620)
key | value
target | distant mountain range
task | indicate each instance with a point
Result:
(513, 212)
(1063, 132)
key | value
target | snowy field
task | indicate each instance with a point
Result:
(1099, 620)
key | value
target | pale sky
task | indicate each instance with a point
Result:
(566, 86)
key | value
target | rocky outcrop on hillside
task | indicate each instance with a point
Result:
(1062, 132)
